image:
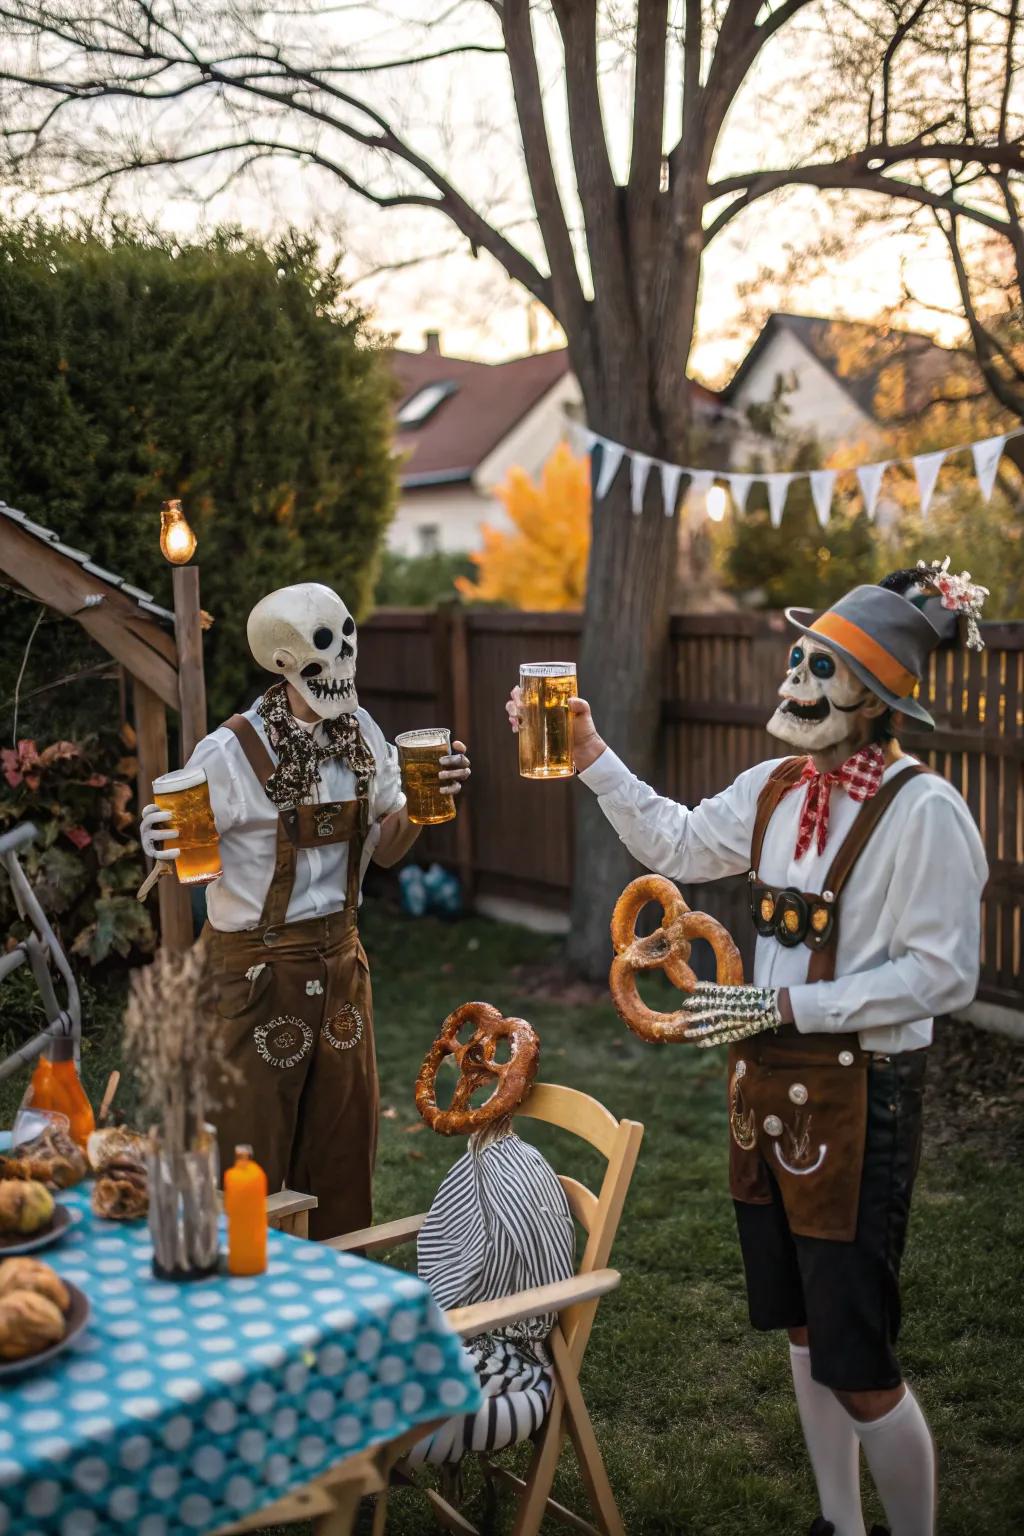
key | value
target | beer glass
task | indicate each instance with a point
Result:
(545, 720)
(419, 757)
(186, 794)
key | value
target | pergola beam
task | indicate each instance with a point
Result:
(117, 623)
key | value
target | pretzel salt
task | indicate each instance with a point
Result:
(667, 949)
(477, 1069)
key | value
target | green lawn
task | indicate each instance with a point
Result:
(694, 1411)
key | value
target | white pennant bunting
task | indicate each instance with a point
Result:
(870, 478)
(611, 458)
(926, 468)
(581, 439)
(701, 481)
(639, 469)
(778, 489)
(739, 486)
(671, 474)
(986, 455)
(822, 485)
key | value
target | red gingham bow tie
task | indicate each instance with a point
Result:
(860, 776)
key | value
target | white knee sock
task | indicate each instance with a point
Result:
(832, 1444)
(901, 1456)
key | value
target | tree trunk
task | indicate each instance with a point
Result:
(625, 631)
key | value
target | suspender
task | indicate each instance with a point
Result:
(279, 891)
(823, 961)
(251, 743)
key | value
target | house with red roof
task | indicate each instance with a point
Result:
(461, 425)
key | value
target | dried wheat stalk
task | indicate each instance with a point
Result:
(169, 1037)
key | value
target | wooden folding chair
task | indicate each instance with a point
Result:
(575, 1300)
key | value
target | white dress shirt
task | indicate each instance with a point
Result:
(909, 913)
(247, 825)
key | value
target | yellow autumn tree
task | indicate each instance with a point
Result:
(541, 562)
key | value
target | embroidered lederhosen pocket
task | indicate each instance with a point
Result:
(263, 1011)
(803, 1116)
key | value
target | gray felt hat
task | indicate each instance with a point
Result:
(885, 639)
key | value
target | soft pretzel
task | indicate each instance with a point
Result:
(477, 1069)
(666, 949)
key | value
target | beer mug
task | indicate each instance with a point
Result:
(419, 757)
(186, 794)
(545, 720)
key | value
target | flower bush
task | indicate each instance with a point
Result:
(85, 866)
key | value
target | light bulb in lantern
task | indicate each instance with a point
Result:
(716, 503)
(177, 541)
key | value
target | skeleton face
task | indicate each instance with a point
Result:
(822, 700)
(306, 635)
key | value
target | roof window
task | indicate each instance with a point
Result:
(422, 405)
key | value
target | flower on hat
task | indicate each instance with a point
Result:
(959, 594)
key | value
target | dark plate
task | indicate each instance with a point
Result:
(77, 1317)
(14, 1244)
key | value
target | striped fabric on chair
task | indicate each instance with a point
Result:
(500, 1223)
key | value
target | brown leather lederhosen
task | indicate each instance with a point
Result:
(798, 1102)
(297, 1023)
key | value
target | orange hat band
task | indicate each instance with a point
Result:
(890, 673)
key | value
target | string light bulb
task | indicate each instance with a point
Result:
(716, 503)
(177, 541)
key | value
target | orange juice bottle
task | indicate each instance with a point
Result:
(64, 1089)
(245, 1205)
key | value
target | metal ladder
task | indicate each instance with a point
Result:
(42, 952)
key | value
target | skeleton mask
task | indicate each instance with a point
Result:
(821, 699)
(306, 635)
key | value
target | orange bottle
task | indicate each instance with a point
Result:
(40, 1090)
(61, 1088)
(245, 1205)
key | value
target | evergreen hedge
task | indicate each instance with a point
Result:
(236, 376)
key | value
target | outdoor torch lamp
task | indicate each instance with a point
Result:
(177, 541)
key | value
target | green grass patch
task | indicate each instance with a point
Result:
(693, 1410)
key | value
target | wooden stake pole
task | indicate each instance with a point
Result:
(151, 746)
(191, 677)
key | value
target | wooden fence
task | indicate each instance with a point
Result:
(513, 838)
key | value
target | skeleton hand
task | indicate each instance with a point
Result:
(454, 769)
(155, 833)
(723, 1014)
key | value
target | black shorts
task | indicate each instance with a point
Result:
(847, 1295)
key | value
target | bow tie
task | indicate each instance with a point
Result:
(860, 776)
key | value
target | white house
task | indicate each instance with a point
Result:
(842, 380)
(460, 426)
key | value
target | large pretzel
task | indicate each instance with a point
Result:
(666, 949)
(478, 1069)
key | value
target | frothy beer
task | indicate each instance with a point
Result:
(186, 795)
(419, 757)
(545, 720)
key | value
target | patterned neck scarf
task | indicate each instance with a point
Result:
(860, 776)
(299, 754)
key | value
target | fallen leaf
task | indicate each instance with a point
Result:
(410, 1130)
(417, 1157)
(391, 1113)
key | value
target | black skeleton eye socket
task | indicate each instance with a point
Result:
(822, 665)
(796, 656)
(349, 626)
(322, 637)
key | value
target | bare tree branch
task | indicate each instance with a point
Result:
(567, 299)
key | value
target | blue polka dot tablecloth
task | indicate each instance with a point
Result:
(182, 1407)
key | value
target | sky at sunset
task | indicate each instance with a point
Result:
(459, 112)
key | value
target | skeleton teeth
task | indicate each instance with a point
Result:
(331, 690)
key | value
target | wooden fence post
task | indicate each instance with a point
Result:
(188, 634)
(151, 747)
(462, 730)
